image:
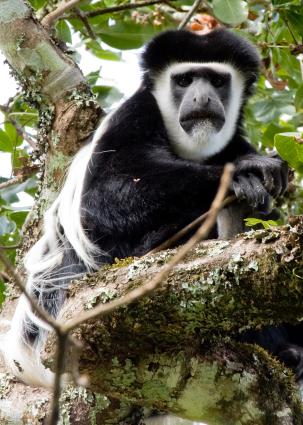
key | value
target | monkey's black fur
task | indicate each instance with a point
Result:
(217, 46)
(138, 192)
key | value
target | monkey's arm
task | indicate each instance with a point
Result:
(257, 177)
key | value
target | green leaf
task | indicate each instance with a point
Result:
(271, 130)
(232, 12)
(107, 95)
(2, 291)
(295, 20)
(126, 35)
(37, 4)
(5, 142)
(299, 98)
(290, 148)
(93, 77)
(110, 3)
(11, 132)
(10, 194)
(101, 53)
(6, 226)
(250, 222)
(63, 32)
(286, 3)
(18, 217)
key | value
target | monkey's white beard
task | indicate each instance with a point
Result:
(201, 143)
(202, 132)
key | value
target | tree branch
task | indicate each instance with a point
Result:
(43, 315)
(190, 13)
(82, 16)
(153, 284)
(120, 8)
(12, 182)
(49, 20)
(204, 300)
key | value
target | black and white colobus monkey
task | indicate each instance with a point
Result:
(152, 167)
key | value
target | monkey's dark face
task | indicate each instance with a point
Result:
(201, 96)
(200, 105)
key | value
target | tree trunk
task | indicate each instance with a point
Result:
(55, 85)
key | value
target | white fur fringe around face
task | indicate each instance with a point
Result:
(205, 142)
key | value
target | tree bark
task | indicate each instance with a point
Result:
(174, 351)
(55, 85)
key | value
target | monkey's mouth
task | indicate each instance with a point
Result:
(194, 119)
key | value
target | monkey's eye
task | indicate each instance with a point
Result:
(218, 80)
(183, 80)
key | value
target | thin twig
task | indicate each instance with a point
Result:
(120, 8)
(4, 276)
(154, 283)
(5, 110)
(177, 236)
(190, 13)
(82, 16)
(7, 247)
(35, 306)
(62, 339)
(49, 20)
(174, 6)
(25, 173)
(290, 30)
(11, 182)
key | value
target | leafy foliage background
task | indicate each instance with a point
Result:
(274, 116)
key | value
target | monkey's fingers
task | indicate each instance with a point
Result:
(275, 176)
(250, 188)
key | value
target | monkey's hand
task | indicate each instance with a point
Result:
(257, 178)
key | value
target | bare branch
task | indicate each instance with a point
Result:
(35, 306)
(49, 20)
(5, 110)
(154, 283)
(62, 340)
(7, 247)
(23, 174)
(82, 16)
(120, 8)
(12, 182)
(190, 13)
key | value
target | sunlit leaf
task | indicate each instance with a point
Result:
(6, 144)
(299, 98)
(63, 32)
(6, 225)
(232, 12)
(267, 224)
(290, 148)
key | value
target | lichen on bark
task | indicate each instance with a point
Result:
(176, 348)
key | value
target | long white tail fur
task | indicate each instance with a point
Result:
(44, 273)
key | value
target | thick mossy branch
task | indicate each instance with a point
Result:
(166, 350)
(23, 405)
